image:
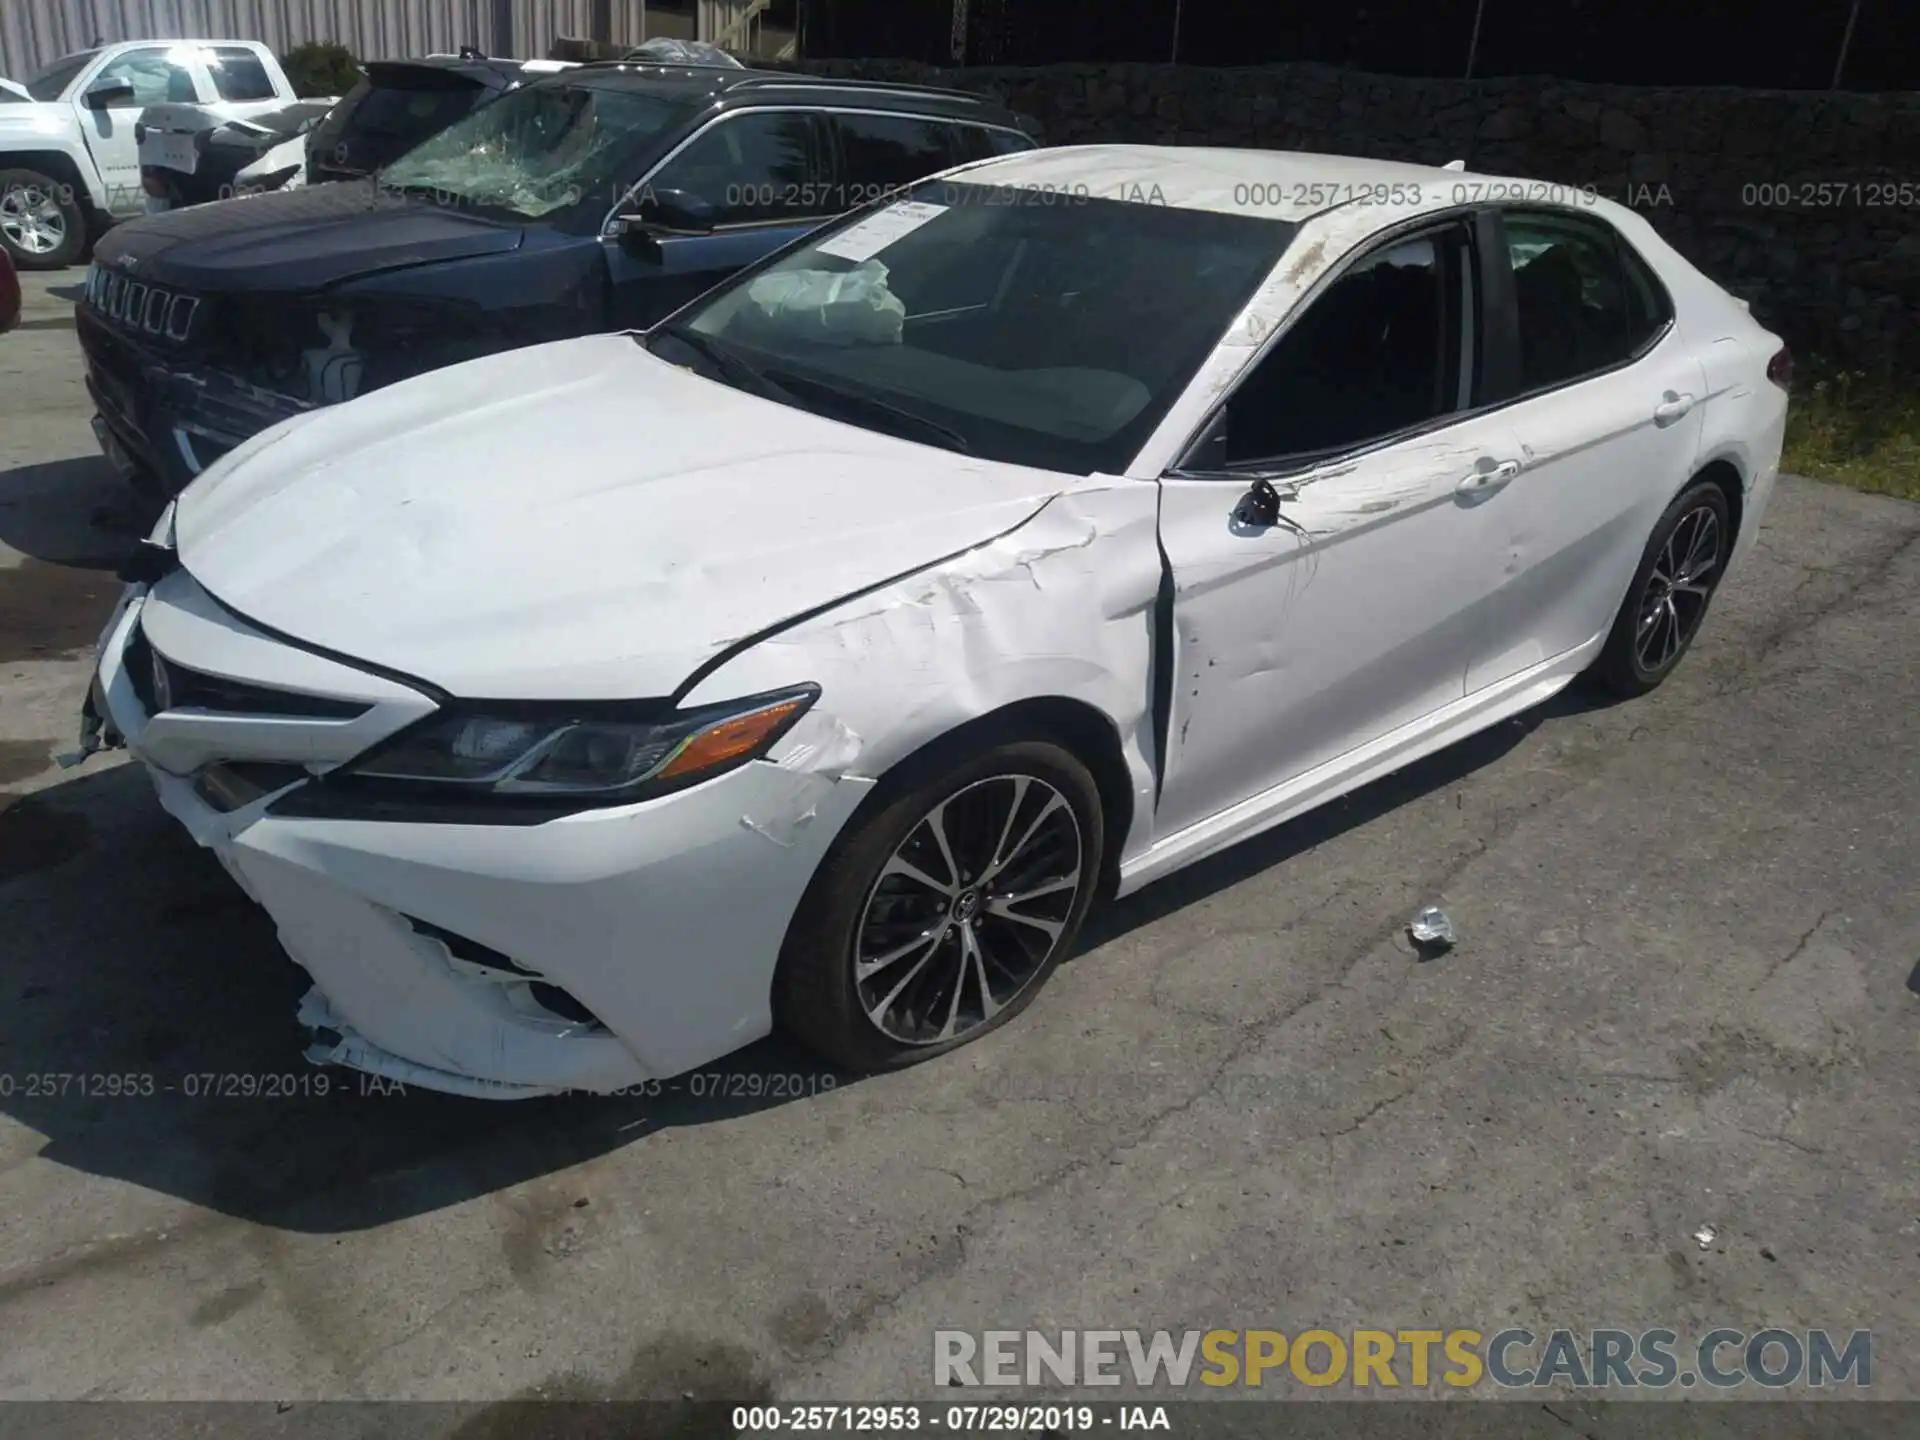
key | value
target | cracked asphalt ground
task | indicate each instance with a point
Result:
(1683, 996)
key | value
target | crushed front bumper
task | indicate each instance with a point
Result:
(162, 419)
(429, 943)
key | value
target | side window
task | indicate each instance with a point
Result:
(156, 79)
(1585, 302)
(977, 142)
(1386, 347)
(753, 169)
(238, 74)
(887, 152)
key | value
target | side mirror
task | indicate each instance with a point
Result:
(672, 212)
(105, 93)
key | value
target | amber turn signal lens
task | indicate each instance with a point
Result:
(730, 739)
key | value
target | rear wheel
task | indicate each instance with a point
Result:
(1679, 571)
(940, 914)
(42, 223)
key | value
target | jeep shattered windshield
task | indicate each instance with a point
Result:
(536, 149)
(1049, 330)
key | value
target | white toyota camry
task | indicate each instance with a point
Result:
(817, 658)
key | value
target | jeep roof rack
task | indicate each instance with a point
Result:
(767, 79)
(746, 79)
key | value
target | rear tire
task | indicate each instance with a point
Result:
(43, 225)
(1672, 588)
(896, 955)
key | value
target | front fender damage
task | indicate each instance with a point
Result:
(1061, 608)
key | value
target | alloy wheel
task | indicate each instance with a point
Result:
(30, 218)
(968, 909)
(1677, 589)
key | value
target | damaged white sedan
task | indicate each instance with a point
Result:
(817, 658)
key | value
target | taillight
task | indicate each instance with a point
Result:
(1780, 368)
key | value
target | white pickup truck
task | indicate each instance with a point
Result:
(69, 159)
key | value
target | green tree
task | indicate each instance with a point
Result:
(319, 68)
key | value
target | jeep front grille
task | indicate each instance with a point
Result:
(137, 306)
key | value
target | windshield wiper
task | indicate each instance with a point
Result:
(729, 363)
(872, 406)
(420, 188)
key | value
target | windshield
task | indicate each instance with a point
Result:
(52, 81)
(536, 149)
(1055, 335)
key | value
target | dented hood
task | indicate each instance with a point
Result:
(299, 240)
(572, 521)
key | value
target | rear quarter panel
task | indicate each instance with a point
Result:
(1743, 415)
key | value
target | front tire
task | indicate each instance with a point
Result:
(43, 225)
(940, 913)
(1679, 571)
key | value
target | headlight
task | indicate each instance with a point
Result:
(559, 751)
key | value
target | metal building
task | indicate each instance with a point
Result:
(33, 32)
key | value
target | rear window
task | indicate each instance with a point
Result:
(238, 74)
(406, 113)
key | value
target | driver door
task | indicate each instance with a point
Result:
(159, 75)
(1353, 607)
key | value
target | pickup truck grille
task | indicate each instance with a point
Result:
(135, 305)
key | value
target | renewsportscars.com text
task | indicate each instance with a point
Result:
(1720, 1358)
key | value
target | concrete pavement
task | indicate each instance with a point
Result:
(1681, 998)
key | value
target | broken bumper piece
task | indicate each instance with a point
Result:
(337, 1043)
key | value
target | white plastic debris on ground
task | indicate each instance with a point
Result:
(1431, 929)
(848, 307)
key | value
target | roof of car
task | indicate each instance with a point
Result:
(1285, 185)
(774, 87)
(487, 69)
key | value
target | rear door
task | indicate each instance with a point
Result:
(1607, 408)
(764, 178)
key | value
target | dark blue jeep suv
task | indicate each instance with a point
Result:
(601, 198)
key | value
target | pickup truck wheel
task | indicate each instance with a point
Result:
(42, 223)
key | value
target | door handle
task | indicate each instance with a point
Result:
(1672, 408)
(1487, 476)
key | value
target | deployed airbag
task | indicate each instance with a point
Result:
(829, 307)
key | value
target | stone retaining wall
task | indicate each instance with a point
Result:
(1791, 199)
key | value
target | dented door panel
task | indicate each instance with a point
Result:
(1598, 469)
(1360, 612)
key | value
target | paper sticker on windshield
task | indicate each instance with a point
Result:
(867, 238)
